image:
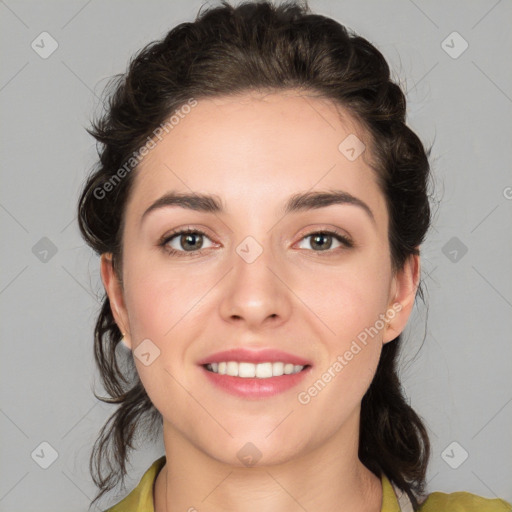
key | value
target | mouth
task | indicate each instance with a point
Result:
(254, 374)
(246, 370)
(254, 381)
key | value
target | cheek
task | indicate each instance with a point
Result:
(165, 306)
(159, 299)
(350, 301)
(348, 298)
(162, 305)
(349, 305)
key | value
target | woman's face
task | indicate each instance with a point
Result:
(257, 275)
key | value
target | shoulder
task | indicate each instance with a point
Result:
(393, 501)
(141, 498)
(462, 502)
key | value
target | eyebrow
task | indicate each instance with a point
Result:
(208, 203)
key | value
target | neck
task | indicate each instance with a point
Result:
(329, 477)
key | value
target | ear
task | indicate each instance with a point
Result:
(115, 295)
(402, 295)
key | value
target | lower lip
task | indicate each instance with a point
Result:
(254, 387)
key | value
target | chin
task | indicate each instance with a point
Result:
(253, 450)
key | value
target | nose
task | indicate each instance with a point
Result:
(256, 293)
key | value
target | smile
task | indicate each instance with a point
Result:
(250, 370)
(254, 381)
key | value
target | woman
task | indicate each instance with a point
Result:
(259, 206)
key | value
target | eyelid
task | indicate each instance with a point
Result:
(184, 229)
(327, 229)
(344, 241)
(342, 237)
(166, 239)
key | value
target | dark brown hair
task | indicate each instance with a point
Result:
(229, 50)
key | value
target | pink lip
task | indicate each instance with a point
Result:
(252, 356)
(255, 388)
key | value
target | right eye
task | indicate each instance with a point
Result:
(185, 241)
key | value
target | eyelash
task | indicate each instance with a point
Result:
(347, 242)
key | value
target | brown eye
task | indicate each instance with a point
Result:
(191, 241)
(180, 242)
(322, 241)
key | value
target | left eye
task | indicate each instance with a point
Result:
(324, 239)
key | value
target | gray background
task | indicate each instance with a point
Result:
(460, 380)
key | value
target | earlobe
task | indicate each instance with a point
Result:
(405, 286)
(115, 295)
(125, 341)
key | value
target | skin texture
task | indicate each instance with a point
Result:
(253, 151)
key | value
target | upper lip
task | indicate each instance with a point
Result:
(254, 356)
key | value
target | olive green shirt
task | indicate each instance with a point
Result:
(141, 498)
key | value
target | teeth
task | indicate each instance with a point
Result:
(232, 369)
(249, 370)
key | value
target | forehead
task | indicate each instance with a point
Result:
(254, 150)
